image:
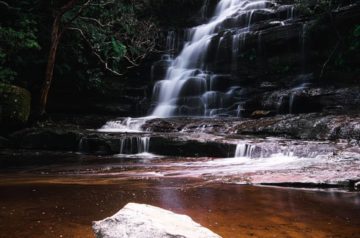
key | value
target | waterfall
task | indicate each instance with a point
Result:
(244, 150)
(186, 89)
(134, 145)
(200, 73)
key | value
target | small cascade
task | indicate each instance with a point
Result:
(303, 84)
(82, 145)
(238, 41)
(239, 110)
(205, 10)
(291, 102)
(260, 43)
(126, 125)
(244, 150)
(134, 145)
(303, 46)
(171, 43)
(292, 13)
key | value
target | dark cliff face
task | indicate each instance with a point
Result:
(181, 13)
(288, 62)
(278, 68)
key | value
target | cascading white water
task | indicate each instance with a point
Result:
(186, 89)
(126, 125)
(134, 145)
(244, 150)
(199, 81)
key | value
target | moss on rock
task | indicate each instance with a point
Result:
(14, 106)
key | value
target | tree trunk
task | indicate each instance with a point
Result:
(56, 34)
(55, 39)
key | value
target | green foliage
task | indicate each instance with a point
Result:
(17, 36)
(107, 37)
(118, 48)
(309, 8)
(355, 38)
(349, 57)
(117, 34)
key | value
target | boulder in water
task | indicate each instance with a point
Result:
(145, 221)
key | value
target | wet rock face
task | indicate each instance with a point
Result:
(145, 221)
(188, 137)
(304, 98)
(97, 144)
(313, 126)
(168, 145)
(273, 44)
(48, 139)
(191, 148)
(307, 126)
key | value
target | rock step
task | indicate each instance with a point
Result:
(109, 144)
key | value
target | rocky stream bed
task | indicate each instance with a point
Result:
(248, 132)
(309, 150)
(60, 176)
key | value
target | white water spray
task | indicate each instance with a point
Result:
(186, 89)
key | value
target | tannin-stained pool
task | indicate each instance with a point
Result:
(54, 206)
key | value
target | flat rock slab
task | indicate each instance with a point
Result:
(145, 221)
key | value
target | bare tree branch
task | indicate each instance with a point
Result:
(103, 4)
(130, 61)
(70, 4)
(98, 56)
(67, 24)
(5, 4)
(338, 44)
(96, 21)
(329, 59)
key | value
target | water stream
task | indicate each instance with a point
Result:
(193, 166)
(134, 145)
(190, 88)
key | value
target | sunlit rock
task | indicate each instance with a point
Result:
(145, 221)
(260, 113)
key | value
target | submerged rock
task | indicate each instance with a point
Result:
(145, 221)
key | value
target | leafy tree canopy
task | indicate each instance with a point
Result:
(99, 37)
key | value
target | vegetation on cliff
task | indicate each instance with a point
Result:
(82, 43)
(90, 39)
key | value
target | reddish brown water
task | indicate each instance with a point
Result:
(65, 207)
